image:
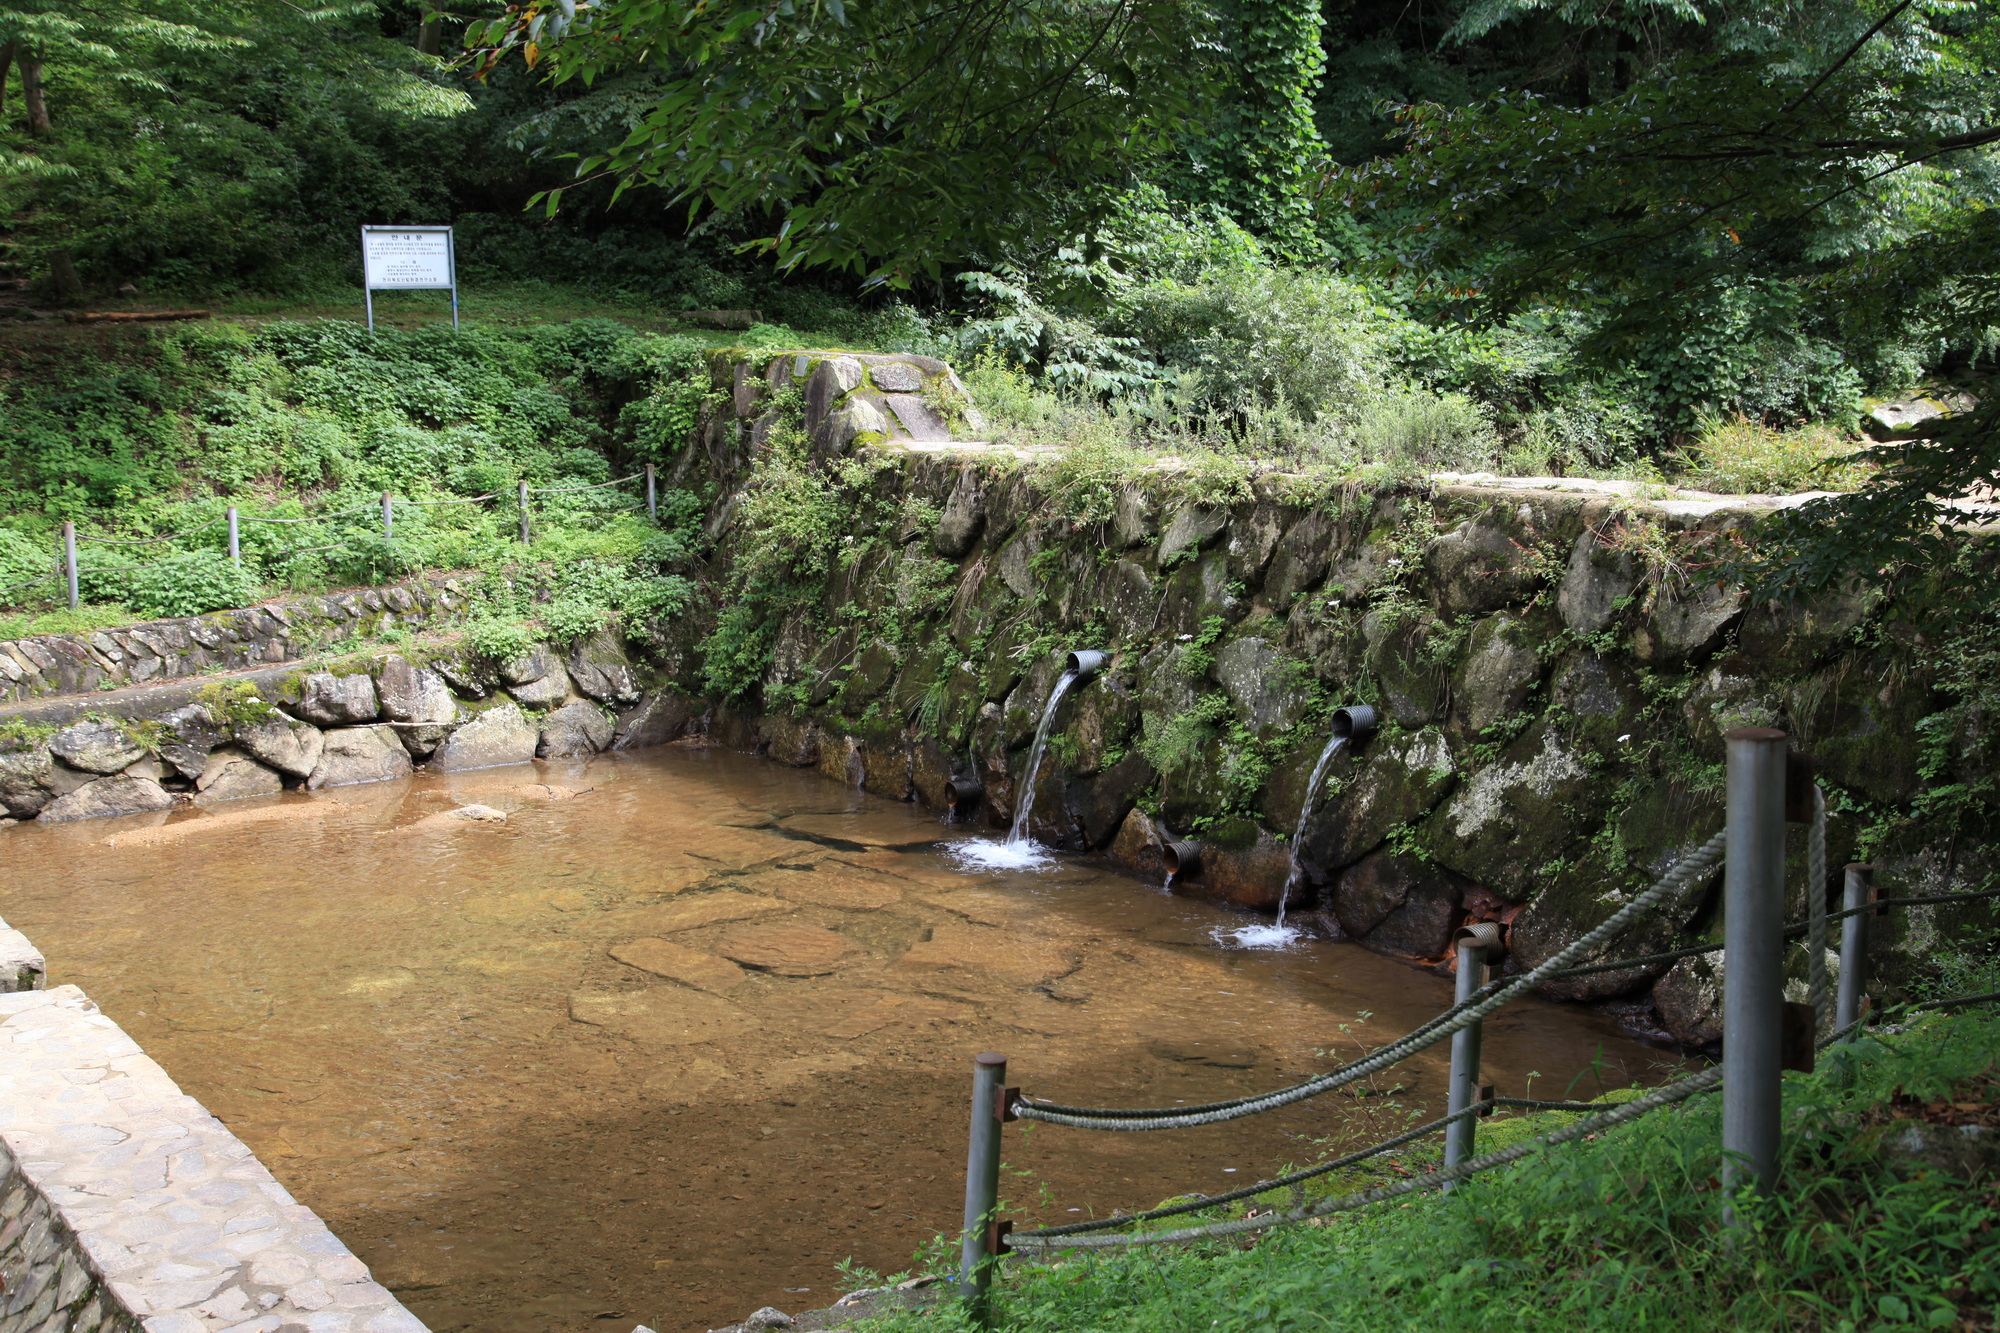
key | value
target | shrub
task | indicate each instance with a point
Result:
(1739, 455)
(1418, 429)
(189, 585)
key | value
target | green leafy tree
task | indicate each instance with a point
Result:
(1824, 170)
(888, 140)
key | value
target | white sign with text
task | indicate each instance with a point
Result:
(413, 257)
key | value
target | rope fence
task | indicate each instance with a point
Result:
(71, 567)
(1757, 817)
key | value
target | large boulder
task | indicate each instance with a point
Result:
(1191, 528)
(1596, 584)
(360, 754)
(118, 795)
(1687, 622)
(1252, 875)
(602, 671)
(1512, 817)
(1689, 1000)
(190, 732)
(96, 747)
(1501, 668)
(231, 775)
(964, 515)
(1399, 904)
(24, 782)
(497, 736)
(1481, 565)
(1267, 697)
(1399, 779)
(329, 700)
(285, 744)
(1401, 656)
(536, 678)
(418, 698)
(653, 721)
(574, 729)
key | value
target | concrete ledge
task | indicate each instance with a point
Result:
(21, 964)
(129, 1206)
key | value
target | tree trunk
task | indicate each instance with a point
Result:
(62, 272)
(430, 37)
(31, 91)
(6, 67)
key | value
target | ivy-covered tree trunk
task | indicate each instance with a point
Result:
(31, 93)
(1265, 142)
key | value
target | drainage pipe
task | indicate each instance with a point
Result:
(1355, 723)
(1085, 662)
(961, 793)
(1853, 945)
(1753, 998)
(982, 1183)
(1478, 945)
(1181, 856)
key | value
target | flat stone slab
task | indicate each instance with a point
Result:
(186, 1229)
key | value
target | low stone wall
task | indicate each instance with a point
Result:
(1554, 671)
(362, 719)
(55, 664)
(124, 1205)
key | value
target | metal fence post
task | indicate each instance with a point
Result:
(982, 1181)
(235, 547)
(1474, 946)
(1853, 944)
(1753, 951)
(524, 513)
(69, 561)
(652, 496)
(388, 517)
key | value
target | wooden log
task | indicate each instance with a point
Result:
(130, 316)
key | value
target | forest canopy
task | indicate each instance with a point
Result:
(1591, 235)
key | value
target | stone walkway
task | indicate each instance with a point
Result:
(180, 1229)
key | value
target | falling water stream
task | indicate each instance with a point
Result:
(1019, 850)
(1272, 936)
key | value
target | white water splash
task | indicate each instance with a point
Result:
(984, 854)
(1259, 937)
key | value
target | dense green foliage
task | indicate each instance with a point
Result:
(1619, 1233)
(303, 427)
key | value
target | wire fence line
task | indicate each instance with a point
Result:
(1079, 1235)
(72, 567)
(1670, 888)
(1408, 1136)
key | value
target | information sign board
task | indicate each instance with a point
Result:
(408, 259)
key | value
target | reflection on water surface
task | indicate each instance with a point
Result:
(689, 1028)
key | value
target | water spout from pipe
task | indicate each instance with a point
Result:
(1356, 722)
(1019, 851)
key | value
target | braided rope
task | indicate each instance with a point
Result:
(1816, 912)
(566, 490)
(1361, 1155)
(1670, 888)
(1631, 1110)
(1054, 1238)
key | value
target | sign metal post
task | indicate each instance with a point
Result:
(408, 259)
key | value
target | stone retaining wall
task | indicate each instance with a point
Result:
(55, 664)
(362, 719)
(124, 1205)
(1554, 670)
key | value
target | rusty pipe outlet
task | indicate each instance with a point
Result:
(1181, 857)
(961, 793)
(1481, 934)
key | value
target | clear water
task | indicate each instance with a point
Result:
(431, 1032)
